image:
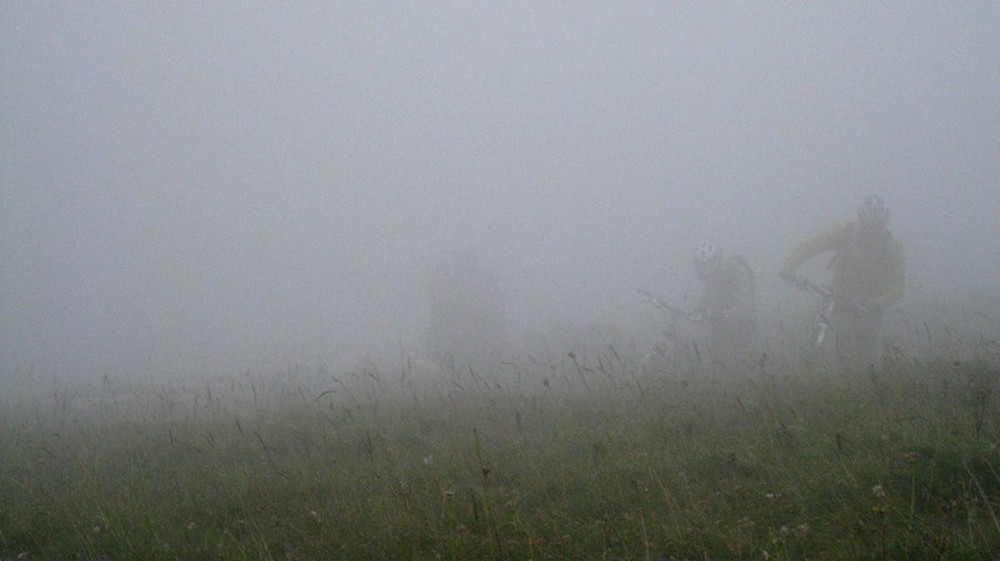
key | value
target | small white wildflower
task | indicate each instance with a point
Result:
(428, 460)
(878, 492)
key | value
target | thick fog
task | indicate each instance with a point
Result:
(218, 187)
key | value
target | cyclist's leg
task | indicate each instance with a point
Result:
(857, 340)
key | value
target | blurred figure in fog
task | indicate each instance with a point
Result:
(868, 278)
(728, 303)
(467, 324)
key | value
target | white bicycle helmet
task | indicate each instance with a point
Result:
(874, 212)
(707, 253)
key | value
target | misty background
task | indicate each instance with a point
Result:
(216, 187)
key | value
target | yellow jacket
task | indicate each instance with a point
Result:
(866, 268)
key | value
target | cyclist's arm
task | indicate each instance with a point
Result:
(831, 240)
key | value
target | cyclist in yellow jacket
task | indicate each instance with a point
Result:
(868, 278)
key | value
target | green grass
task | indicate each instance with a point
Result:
(575, 461)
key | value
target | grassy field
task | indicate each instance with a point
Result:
(585, 459)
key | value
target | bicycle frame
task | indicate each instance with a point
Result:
(824, 319)
(668, 353)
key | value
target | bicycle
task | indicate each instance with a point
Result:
(671, 353)
(673, 311)
(823, 322)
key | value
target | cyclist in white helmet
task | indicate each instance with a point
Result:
(728, 302)
(868, 278)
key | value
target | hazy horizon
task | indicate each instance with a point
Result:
(206, 187)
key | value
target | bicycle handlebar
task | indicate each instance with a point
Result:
(674, 311)
(809, 286)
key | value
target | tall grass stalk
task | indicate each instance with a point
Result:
(577, 460)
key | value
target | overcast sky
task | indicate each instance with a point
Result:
(227, 186)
